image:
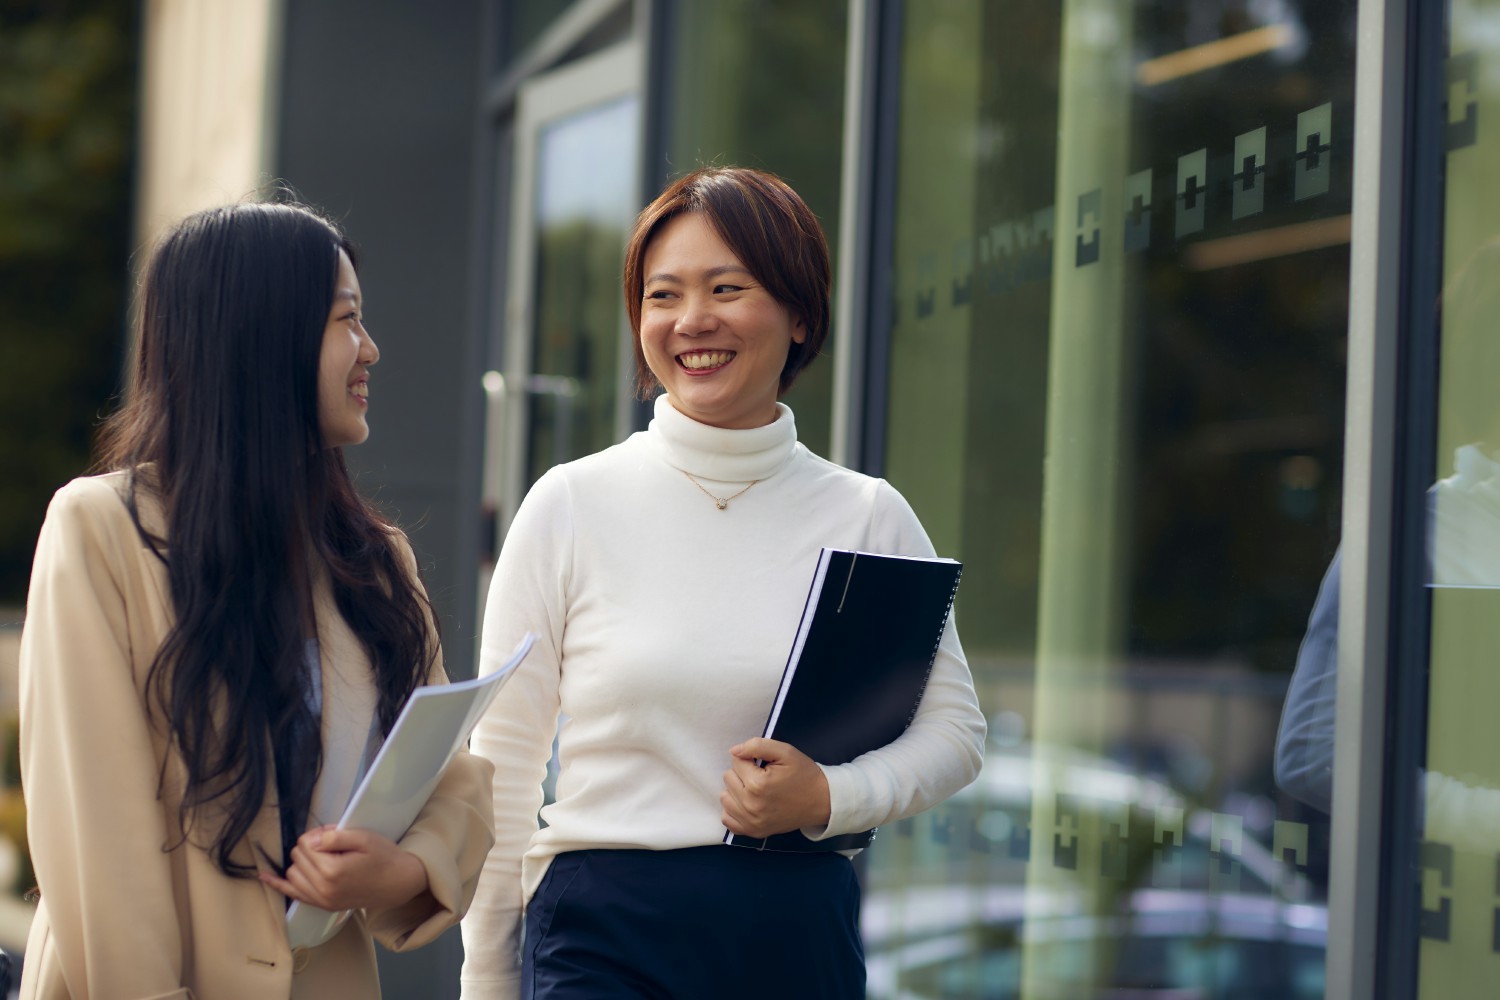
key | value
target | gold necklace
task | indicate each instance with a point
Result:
(719, 502)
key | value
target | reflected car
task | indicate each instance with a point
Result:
(1214, 917)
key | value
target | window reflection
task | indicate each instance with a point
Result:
(579, 338)
(1459, 922)
(760, 83)
(1120, 267)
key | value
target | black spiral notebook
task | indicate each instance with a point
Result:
(864, 649)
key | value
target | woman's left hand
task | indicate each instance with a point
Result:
(789, 793)
(335, 869)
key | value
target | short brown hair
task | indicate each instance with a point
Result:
(772, 232)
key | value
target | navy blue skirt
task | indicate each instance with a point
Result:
(701, 922)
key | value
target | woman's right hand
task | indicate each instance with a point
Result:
(335, 869)
(789, 793)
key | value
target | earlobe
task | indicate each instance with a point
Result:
(799, 333)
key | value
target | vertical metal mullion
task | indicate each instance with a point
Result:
(1369, 463)
(656, 23)
(477, 536)
(885, 25)
(852, 285)
(1415, 442)
(656, 29)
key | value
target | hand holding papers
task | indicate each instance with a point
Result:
(433, 724)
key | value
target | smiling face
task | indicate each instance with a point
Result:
(343, 365)
(712, 335)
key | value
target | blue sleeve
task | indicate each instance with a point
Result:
(1304, 744)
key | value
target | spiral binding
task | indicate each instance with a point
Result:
(938, 641)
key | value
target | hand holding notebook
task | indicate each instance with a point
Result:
(858, 665)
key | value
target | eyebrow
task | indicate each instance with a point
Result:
(712, 272)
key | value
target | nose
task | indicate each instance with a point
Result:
(697, 316)
(369, 353)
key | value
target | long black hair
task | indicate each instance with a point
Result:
(221, 429)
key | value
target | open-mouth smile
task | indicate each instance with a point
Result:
(705, 361)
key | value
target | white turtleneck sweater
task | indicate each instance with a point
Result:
(1465, 547)
(663, 628)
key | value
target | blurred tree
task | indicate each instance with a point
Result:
(68, 83)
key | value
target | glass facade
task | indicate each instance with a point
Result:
(1116, 391)
(1110, 296)
(1459, 924)
(583, 218)
(760, 83)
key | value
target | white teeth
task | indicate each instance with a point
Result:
(705, 359)
(360, 389)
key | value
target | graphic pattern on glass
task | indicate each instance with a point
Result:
(1192, 186)
(1314, 152)
(1249, 179)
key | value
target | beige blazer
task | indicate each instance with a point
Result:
(127, 909)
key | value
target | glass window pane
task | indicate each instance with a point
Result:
(760, 83)
(1120, 266)
(1459, 952)
(583, 218)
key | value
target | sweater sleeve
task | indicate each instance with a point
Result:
(450, 836)
(942, 749)
(88, 762)
(528, 593)
(1304, 741)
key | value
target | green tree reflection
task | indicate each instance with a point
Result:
(67, 116)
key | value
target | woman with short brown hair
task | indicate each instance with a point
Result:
(664, 577)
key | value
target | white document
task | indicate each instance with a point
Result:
(433, 724)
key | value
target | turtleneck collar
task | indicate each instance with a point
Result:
(726, 456)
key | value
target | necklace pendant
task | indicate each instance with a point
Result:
(722, 503)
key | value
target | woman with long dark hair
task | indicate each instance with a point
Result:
(219, 634)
